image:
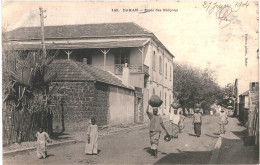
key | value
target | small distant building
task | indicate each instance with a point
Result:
(248, 100)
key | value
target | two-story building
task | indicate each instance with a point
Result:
(130, 52)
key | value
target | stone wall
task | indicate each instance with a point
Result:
(75, 103)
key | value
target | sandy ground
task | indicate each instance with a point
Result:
(132, 147)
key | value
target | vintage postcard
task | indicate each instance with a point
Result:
(141, 82)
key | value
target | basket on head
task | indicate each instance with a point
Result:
(175, 105)
(167, 138)
(155, 101)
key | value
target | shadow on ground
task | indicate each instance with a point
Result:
(233, 151)
(192, 134)
(149, 150)
(239, 151)
(61, 136)
(211, 136)
(186, 157)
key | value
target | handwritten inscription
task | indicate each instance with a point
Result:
(224, 12)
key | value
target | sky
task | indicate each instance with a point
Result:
(201, 34)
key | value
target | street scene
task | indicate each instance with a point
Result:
(187, 148)
(125, 84)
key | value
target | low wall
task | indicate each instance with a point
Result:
(121, 103)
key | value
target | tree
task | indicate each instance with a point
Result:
(193, 85)
(26, 76)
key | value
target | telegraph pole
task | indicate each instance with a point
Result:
(42, 31)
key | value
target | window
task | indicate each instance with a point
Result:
(154, 60)
(153, 91)
(165, 99)
(160, 65)
(160, 94)
(166, 70)
(122, 56)
(170, 73)
(87, 60)
(246, 105)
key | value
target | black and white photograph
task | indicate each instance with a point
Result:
(133, 82)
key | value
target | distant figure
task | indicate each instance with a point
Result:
(223, 120)
(42, 139)
(191, 111)
(155, 123)
(175, 120)
(186, 111)
(92, 133)
(218, 109)
(181, 123)
(197, 121)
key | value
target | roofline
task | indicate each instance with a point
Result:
(83, 37)
(160, 43)
(73, 25)
(114, 85)
(149, 34)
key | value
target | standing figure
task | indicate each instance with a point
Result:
(42, 139)
(181, 123)
(155, 123)
(92, 133)
(223, 120)
(175, 119)
(197, 121)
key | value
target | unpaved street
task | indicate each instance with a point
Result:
(132, 147)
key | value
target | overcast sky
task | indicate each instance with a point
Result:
(194, 33)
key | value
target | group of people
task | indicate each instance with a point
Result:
(177, 123)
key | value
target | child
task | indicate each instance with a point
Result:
(197, 121)
(42, 138)
(92, 133)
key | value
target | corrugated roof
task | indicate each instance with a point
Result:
(82, 45)
(76, 31)
(68, 70)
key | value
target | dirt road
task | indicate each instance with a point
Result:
(132, 147)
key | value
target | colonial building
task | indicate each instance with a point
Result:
(126, 50)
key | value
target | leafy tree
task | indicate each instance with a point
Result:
(193, 85)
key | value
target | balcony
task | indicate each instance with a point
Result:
(118, 69)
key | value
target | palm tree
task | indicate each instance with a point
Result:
(26, 78)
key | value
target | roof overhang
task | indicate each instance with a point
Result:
(77, 44)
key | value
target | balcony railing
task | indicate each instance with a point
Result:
(118, 68)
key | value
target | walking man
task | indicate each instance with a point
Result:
(223, 120)
(175, 120)
(197, 120)
(155, 123)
